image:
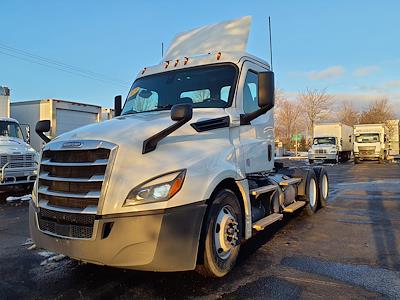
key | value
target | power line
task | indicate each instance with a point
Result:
(43, 61)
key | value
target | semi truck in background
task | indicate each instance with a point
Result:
(18, 160)
(183, 175)
(371, 142)
(331, 142)
(64, 116)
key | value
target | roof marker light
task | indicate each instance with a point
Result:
(166, 64)
(176, 62)
(144, 70)
(218, 55)
(186, 60)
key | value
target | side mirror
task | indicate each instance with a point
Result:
(266, 90)
(180, 112)
(117, 105)
(266, 97)
(42, 127)
(26, 132)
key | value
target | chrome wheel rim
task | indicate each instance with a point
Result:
(313, 192)
(225, 232)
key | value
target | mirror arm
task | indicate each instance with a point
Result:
(150, 144)
(245, 119)
(43, 137)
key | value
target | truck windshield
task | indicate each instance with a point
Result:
(367, 138)
(10, 129)
(325, 140)
(206, 86)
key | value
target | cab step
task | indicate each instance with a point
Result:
(268, 220)
(263, 189)
(294, 206)
(289, 181)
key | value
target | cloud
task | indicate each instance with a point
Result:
(365, 71)
(331, 72)
(392, 84)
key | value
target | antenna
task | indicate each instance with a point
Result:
(162, 50)
(270, 41)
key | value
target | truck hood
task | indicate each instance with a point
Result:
(132, 130)
(11, 145)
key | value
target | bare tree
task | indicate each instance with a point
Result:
(347, 113)
(287, 118)
(378, 111)
(316, 105)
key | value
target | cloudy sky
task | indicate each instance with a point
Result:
(90, 51)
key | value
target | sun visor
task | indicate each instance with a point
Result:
(226, 36)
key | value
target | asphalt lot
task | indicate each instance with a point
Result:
(348, 250)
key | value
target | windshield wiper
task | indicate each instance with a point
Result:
(132, 111)
(162, 107)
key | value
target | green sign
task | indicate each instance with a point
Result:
(296, 137)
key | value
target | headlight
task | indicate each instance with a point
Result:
(158, 189)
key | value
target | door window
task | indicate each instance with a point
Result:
(250, 98)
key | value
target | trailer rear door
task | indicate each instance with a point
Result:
(68, 120)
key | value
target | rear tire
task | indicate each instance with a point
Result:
(222, 232)
(356, 161)
(311, 193)
(323, 185)
(311, 161)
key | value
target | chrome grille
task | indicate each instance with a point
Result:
(70, 186)
(17, 161)
(320, 151)
(72, 178)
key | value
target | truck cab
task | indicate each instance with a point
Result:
(371, 142)
(180, 178)
(18, 160)
(331, 142)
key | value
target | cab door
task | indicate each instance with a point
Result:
(257, 138)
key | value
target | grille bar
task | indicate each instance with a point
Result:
(94, 178)
(89, 195)
(99, 162)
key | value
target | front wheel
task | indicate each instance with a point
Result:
(222, 232)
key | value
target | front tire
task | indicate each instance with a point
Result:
(223, 228)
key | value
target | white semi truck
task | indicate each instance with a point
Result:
(371, 142)
(184, 175)
(331, 142)
(18, 160)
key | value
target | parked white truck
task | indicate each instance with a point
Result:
(331, 142)
(18, 160)
(371, 142)
(184, 175)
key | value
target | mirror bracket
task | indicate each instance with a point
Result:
(41, 127)
(150, 144)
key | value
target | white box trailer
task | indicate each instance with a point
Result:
(331, 141)
(64, 115)
(371, 142)
(4, 102)
(394, 138)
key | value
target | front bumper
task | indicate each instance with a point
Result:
(165, 240)
(12, 179)
(323, 156)
(374, 156)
